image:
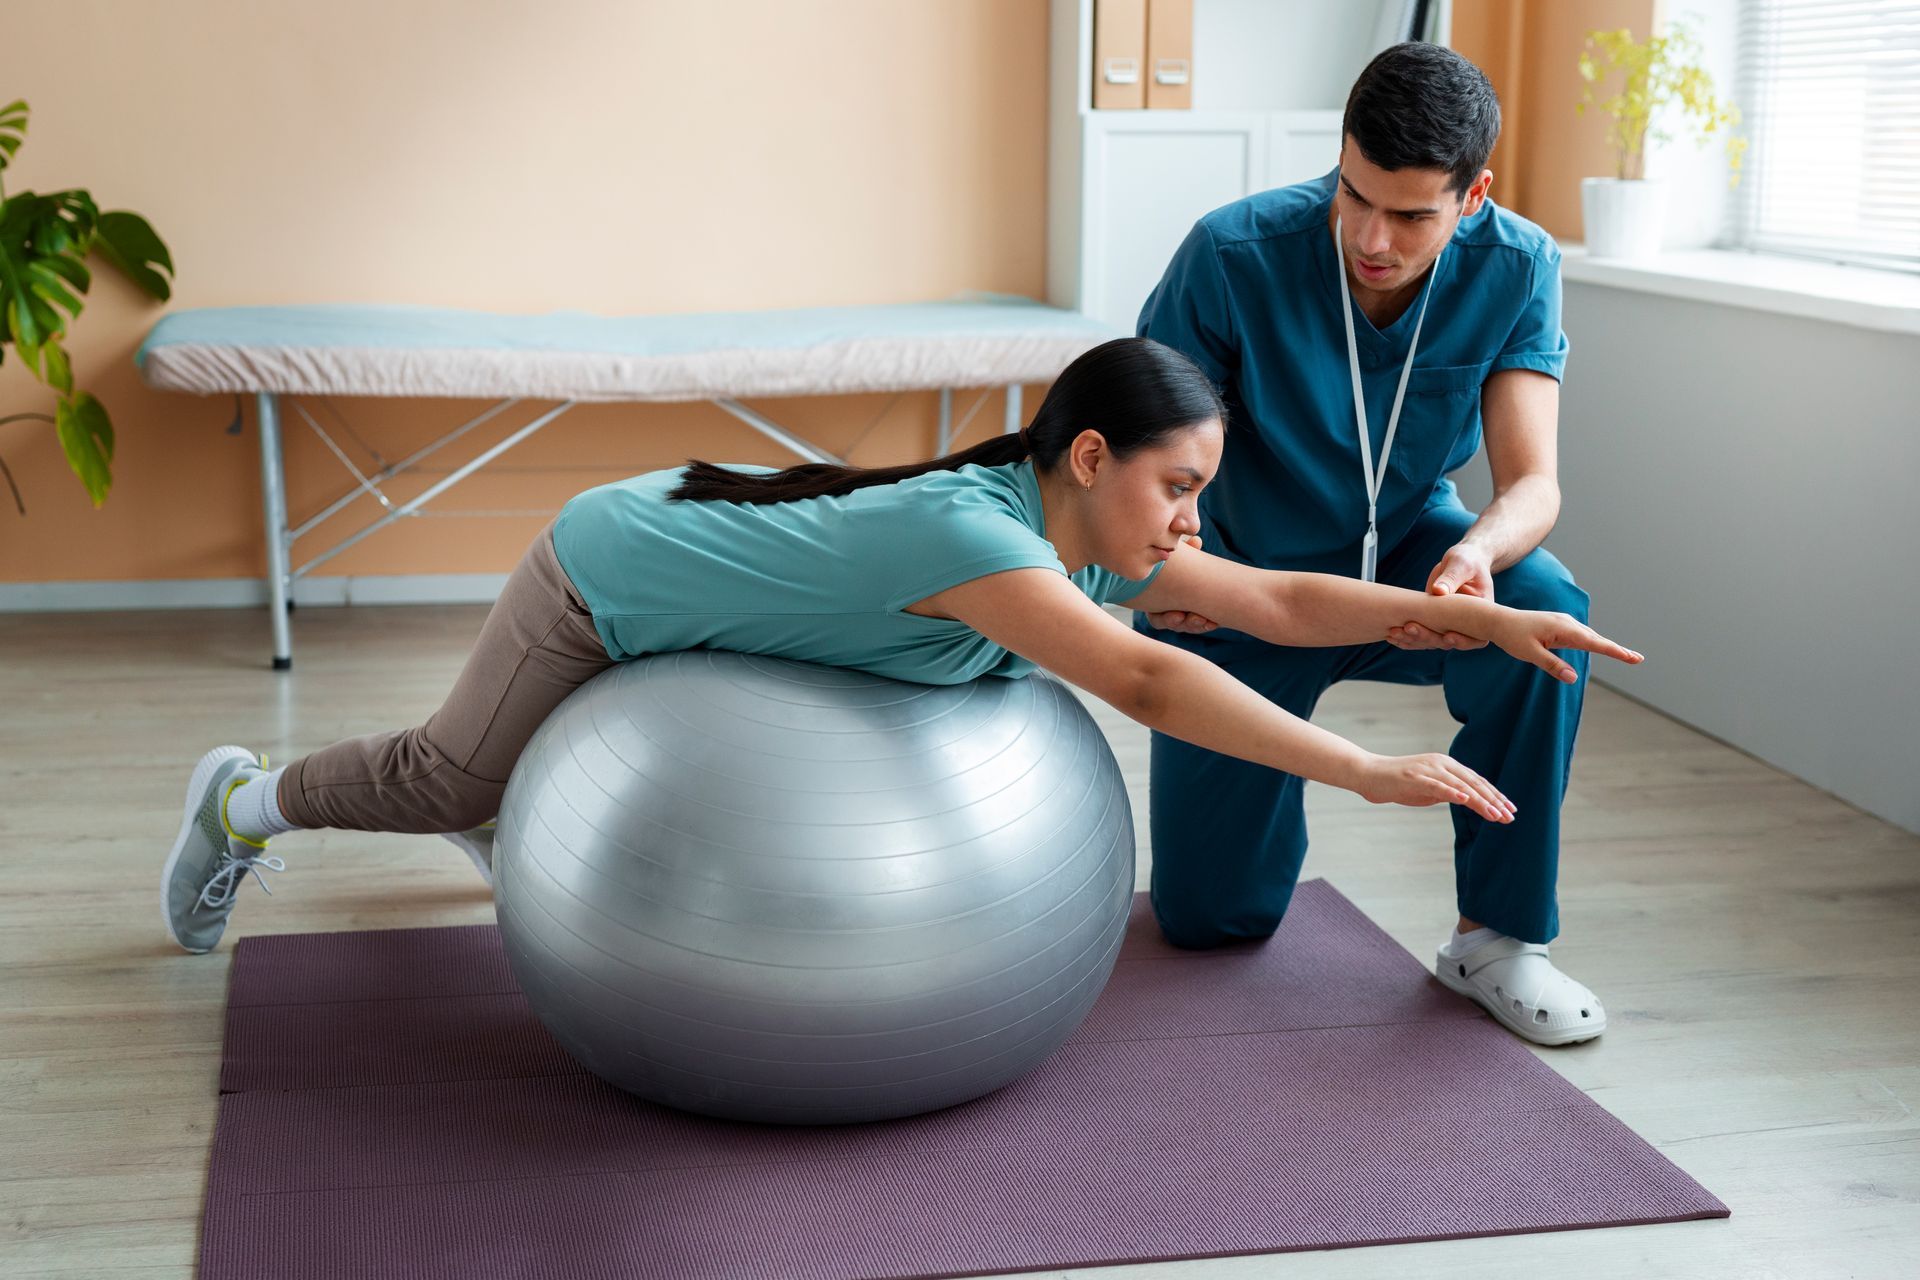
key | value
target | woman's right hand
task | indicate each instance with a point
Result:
(1533, 636)
(1433, 778)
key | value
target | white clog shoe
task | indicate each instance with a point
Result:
(1518, 985)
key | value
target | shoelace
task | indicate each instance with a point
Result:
(227, 880)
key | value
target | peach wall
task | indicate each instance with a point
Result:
(604, 155)
(1530, 50)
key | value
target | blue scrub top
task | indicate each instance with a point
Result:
(819, 580)
(1253, 296)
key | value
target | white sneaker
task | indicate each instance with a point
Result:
(209, 859)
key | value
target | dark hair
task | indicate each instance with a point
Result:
(1421, 106)
(1134, 391)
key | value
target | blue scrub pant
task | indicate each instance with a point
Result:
(1229, 836)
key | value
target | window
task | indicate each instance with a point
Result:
(1830, 91)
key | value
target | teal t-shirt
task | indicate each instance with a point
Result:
(819, 580)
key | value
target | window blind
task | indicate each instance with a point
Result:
(1830, 95)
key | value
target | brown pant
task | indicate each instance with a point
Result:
(537, 646)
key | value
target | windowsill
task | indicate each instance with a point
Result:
(1886, 300)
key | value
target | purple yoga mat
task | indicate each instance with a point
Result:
(391, 1107)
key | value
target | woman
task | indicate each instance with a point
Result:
(987, 562)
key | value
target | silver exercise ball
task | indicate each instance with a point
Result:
(773, 891)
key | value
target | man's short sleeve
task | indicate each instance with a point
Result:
(1189, 310)
(1537, 341)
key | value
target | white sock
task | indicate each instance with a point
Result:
(1472, 940)
(254, 808)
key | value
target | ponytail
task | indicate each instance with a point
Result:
(705, 482)
(1134, 391)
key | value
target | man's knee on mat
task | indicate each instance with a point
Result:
(1198, 932)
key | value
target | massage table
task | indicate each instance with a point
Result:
(574, 358)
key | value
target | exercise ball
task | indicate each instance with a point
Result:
(774, 891)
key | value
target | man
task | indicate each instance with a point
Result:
(1442, 310)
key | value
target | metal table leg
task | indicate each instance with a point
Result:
(273, 495)
(773, 431)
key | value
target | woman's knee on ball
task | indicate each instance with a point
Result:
(452, 799)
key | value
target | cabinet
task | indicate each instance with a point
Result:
(1125, 187)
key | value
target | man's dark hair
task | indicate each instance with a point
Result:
(1422, 106)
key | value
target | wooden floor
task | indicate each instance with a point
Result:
(1757, 944)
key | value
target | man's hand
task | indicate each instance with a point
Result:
(1179, 620)
(1465, 570)
(1176, 620)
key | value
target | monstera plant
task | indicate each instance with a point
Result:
(44, 243)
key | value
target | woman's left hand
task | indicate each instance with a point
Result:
(1532, 636)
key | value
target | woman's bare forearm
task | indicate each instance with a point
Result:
(1187, 697)
(1322, 609)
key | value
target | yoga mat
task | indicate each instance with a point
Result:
(391, 1107)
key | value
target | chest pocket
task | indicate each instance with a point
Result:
(1446, 380)
(1442, 403)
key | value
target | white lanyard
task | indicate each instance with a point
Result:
(1370, 549)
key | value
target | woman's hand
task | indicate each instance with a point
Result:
(1430, 779)
(1533, 636)
(1179, 619)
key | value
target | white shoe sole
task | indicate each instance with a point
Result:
(196, 796)
(1449, 978)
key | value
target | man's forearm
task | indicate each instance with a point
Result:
(1517, 520)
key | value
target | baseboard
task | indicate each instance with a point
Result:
(249, 593)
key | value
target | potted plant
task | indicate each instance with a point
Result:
(44, 243)
(1624, 214)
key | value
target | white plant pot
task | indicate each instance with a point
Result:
(1623, 217)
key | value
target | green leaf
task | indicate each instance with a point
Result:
(87, 436)
(64, 222)
(129, 243)
(17, 213)
(26, 336)
(53, 237)
(26, 294)
(28, 319)
(13, 129)
(48, 286)
(59, 371)
(46, 321)
(70, 268)
(17, 319)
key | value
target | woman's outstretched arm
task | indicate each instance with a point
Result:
(1321, 609)
(1040, 615)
